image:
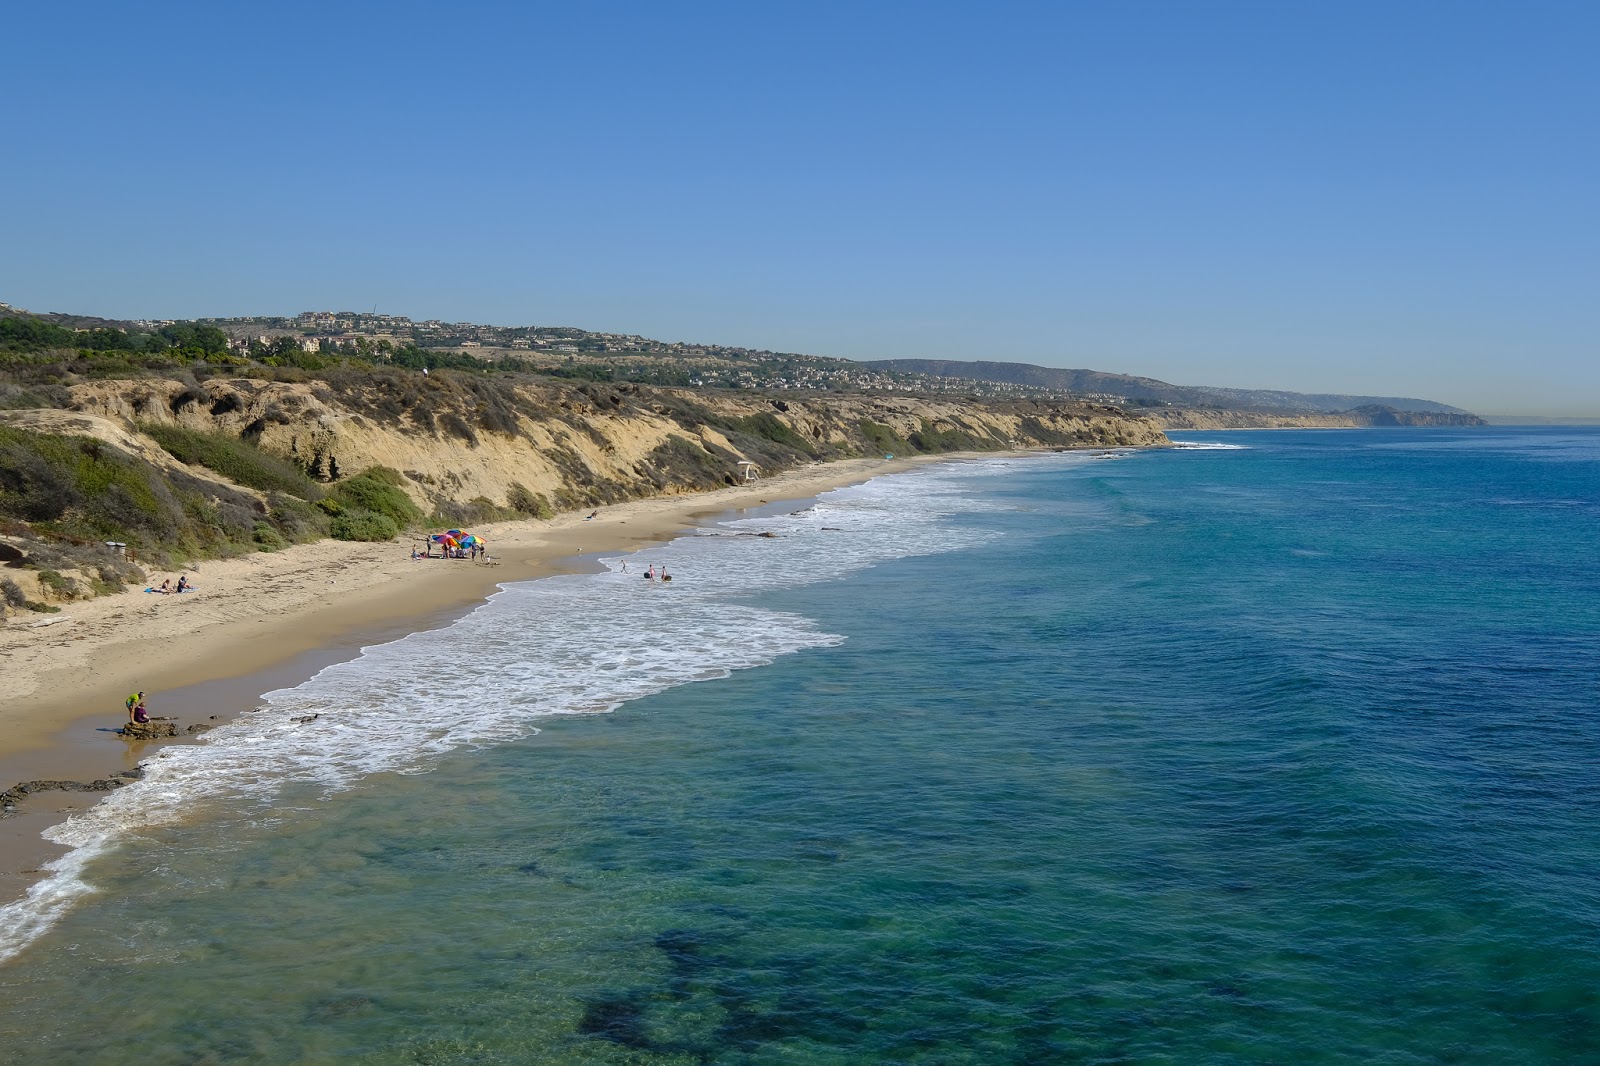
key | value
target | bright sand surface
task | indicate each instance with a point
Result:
(267, 621)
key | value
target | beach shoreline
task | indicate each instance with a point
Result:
(273, 620)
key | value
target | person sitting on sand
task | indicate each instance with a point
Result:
(136, 711)
(183, 583)
(166, 587)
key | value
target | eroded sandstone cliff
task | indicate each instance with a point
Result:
(456, 437)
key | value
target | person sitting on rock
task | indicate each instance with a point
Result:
(136, 711)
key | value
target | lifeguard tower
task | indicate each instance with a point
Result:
(751, 471)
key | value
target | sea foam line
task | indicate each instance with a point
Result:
(566, 645)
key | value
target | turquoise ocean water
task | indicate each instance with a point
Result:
(1284, 747)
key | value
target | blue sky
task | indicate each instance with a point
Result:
(1391, 198)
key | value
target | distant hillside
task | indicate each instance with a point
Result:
(1149, 392)
(1371, 415)
(315, 339)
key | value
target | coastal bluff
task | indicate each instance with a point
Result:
(1355, 418)
(462, 437)
(464, 448)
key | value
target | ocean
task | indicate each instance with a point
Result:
(1273, 747)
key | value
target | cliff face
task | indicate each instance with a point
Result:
(157, 464)
(456, 437)
(1369, 415)
(1174, 418)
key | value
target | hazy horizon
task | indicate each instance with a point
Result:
(1373, 200)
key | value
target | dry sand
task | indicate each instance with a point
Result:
(268, 620)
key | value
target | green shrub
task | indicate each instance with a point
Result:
(296, 519)
(386, 475)
(84, 487)
(680, 460)
(456, 426)
(43, 608)
(234, 459)
(100, 586)
(59, 584)
(521, 499)
(882, 438)
(476, 511)
(378, 490)
(1033, 429)
(17, 397)
(768, 426)
(929, 438)
(267, 538)
(11, 593)
(77, 492)
(363, 525)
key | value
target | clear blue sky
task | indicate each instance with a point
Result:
(1395, 197)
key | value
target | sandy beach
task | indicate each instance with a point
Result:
(262, 621)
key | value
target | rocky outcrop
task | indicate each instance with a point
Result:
(16, 793)
(149, 730)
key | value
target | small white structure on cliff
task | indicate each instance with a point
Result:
(751, 471)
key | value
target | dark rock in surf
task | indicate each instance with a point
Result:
(149, 730)
(14, 795)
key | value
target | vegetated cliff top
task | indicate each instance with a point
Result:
(569, 351)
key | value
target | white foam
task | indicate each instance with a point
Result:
(1208, 446)
(566, 645)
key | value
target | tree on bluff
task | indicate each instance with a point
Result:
(208, 339)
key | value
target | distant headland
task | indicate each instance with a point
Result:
(575, 353)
